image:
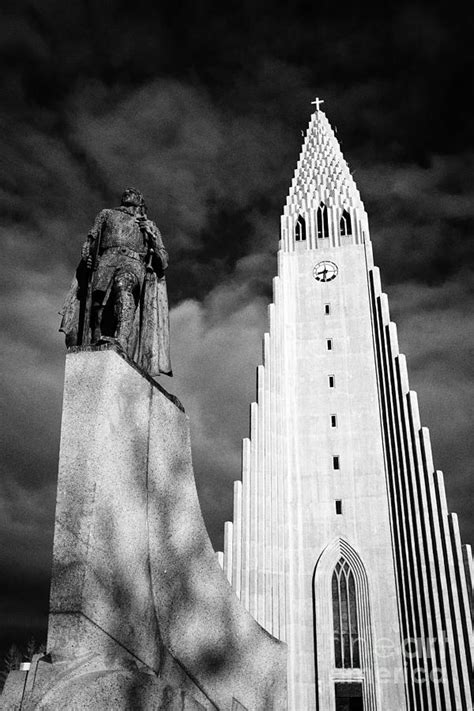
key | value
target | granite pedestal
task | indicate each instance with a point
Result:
(141, 614)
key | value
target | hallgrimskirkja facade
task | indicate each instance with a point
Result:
(341, 543)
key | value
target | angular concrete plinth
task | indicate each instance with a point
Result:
(141, 613)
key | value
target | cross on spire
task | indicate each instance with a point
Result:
(318, 102)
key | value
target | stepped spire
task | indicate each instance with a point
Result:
(323, 201)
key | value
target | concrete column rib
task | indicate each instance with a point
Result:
(246, 523)
(228, 550)
(261, 518)
(388, 356)
(441, 588)
(469, 572)
(237, 539)
(457, 606)
(464, 660)
(253, 562)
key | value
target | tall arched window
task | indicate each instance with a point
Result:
(342, 617)
(345, 223)
(344, 608)
(322, 221)
(300, 229)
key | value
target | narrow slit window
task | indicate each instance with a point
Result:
(332, 381)
(329, 344)
(327, 309)
(338, 508)
(335, 461)
(333, 421)
(345, 224)
(300, 229)
(322, 221)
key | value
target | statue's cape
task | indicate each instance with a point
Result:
(149, 340)
(76, 297)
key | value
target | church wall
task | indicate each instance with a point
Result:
(415, 603)
(289, 468)
(359, 483)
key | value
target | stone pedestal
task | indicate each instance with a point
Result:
(141, 614)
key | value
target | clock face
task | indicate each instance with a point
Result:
(325, 271)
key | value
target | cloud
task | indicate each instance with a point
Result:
(216, 348)
(204, 115)
(422, 219)
(218, 179)
(183, 150)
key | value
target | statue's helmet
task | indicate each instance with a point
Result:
(132, 196)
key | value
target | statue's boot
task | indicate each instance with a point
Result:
(124, 309)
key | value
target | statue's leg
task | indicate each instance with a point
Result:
(97, 309)
(124, 305)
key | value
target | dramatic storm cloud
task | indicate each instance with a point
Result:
(202, 108)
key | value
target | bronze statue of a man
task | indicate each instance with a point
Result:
(119, 291)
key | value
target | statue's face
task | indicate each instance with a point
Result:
(132, 197)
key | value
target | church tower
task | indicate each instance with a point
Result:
(341, 543)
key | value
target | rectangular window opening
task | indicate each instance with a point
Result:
(349, 696)
(331, 381)
(333, 421)
(327, 309)
(338, 506)
(329, 344)
(335, 461)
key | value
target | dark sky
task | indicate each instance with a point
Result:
(201, 105)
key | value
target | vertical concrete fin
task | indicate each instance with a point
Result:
(265, 348)
(426, 449)
(377, 284)
(393, 336)
(246, 523)
(254, 512)
(402, 366)
(271, 317)
(276, 290)
(458, 626)
(237, 539)
(442, 503)
(412, 399)
(440, 558)
(253, 422)
(464, 660)
(260, 388)
(385, 309)
(469, 571)
(261, 498)
(228, 550)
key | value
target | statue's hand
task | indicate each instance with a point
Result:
(85, 251)
(145, 224)
(86, 254)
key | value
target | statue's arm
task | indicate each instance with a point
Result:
(92, 237)
(156, 243)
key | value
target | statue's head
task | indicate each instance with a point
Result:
(132, 196)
